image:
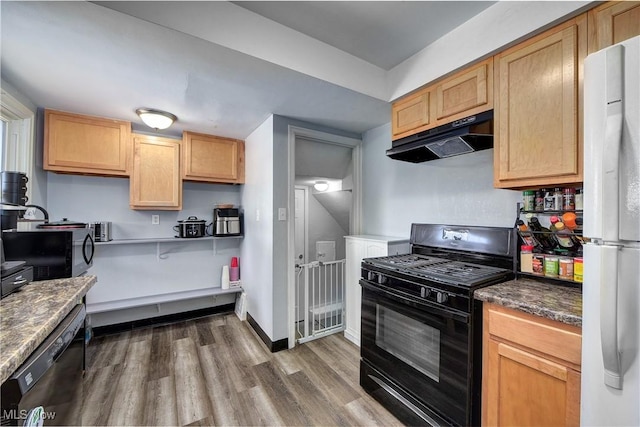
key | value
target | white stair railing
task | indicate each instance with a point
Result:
(320, 308)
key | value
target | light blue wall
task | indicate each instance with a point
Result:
(457, 190)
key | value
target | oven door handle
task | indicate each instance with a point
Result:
(434, 309)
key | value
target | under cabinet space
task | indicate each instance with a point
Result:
(75, 143)
(155, 181)
(210, 158)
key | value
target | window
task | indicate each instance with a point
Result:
(17, 127)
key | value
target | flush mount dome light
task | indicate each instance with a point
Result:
(321, 185)
(155, 118)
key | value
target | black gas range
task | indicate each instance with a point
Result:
(421, 339)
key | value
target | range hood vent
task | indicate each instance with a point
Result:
(473, 133)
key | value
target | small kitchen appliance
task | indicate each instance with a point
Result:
(227, 222)
(14, 274)
(610, 389)
(102, 231)
(53, 253)
(421, 333)
(191, 227)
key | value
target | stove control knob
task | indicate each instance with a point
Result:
(424, 292)
(382, 279)
(371, 276)
(441, 297)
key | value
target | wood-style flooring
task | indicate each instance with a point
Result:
(216, 371)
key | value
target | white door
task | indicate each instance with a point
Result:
(300, 255)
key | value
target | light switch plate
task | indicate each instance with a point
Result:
(282, 214)
(155, 219)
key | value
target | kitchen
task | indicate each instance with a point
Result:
(464, 197)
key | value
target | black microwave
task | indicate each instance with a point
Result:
(53, 254)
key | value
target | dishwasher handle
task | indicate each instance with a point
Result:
(36, 366)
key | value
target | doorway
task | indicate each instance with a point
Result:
(323, 214)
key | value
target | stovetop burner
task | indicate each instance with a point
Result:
(439, 269)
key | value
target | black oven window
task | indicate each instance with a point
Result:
(409, 340)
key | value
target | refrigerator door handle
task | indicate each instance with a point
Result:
(609, 316)
(612, 142)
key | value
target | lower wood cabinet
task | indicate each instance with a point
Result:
(531, 370)
(155, 182)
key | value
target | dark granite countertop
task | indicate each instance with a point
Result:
(544, 299)
(28, 316)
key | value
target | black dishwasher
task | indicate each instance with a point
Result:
(48, 385)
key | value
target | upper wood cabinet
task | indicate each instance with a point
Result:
(538, 109)
(465, 93)
(212, 159)
(613, 22)
(155, 182)
(87, 145)
(531, 370)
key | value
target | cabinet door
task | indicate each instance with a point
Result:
(538, 120)
(465, 94)
(410, 114)
(213, 159)
(156, 182)
(525, 389)
(86, 145)
(613, 22)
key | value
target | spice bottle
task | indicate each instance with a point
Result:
(578, 265)
(557, 199)
(578, 200)
(569, 199)
(548, 199)
(529, 200)
(526, 259)
(539, 201)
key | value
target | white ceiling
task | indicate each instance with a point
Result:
(221, 67)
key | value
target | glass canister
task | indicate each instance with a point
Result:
(565, 268)
(578, 199)
(557, 199)
(539, 201)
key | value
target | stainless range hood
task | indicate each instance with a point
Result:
(473, 133)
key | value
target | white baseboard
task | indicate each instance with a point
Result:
(353, 336)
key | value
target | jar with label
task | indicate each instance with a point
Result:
(537, 264)
(526, 259)
(578, 202)
(539, 201)
(529, 200)
(578, 266)
(551, 266)
(565, 268)
(569, 199)
(548, 199)
(557, 199)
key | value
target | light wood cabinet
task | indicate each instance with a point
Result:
(75, 143)
(538, 109)
(357, 248)
(465, 93)
(211, 158)
(613, 22)
(155, 182)
(531, 369)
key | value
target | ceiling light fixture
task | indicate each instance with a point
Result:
(155, 118)
(321, 185)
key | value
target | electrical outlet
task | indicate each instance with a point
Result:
(282, 214)
(155, 219)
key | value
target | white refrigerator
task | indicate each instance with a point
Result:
(610, 393)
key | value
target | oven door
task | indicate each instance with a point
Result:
(422, 348)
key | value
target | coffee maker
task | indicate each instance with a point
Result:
(227, 222)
